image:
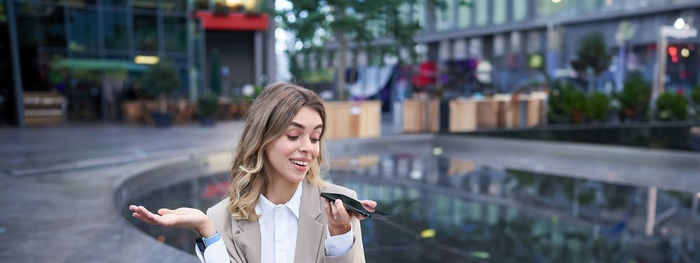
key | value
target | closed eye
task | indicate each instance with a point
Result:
(293, 138)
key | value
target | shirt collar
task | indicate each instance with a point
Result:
(264, 207)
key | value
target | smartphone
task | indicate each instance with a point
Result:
(355, 206)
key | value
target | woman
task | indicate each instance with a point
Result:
(273, 209)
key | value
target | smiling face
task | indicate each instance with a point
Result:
(289, 156)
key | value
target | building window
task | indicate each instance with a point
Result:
(76, 2)
(499, 11)
(146, 32)
(174, 5)
(445, 16)
(119, 3)
(201, 5)
(52, 24)
(83, 30)
(519, 10)
(547, 8)
(481, 12)
(175, 34)
(116, 33)
(419, 13)
(144, 4)
(465, 15)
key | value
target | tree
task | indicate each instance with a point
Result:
(318, 22)
(592, 55)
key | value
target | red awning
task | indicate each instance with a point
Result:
(234, 21)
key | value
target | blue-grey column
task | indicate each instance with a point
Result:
(203, 81)
(161, 32)
(191, 70)
(16, 70)
(271, 52)
(259, 47)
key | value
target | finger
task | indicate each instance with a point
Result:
(334, 210)
(340, 210)
(164, 211)
(143, 218)
(327, 207)
(369, 205)
(153, 217)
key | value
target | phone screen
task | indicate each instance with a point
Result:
(355, 206)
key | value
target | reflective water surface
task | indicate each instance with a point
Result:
(451, 210)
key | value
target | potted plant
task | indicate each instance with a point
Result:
(671, 107)
(635, 97)
(695, 108)
(160, 81)
(566, 104)
(206, 109)
(597, 107)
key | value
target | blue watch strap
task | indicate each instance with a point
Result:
(212, 239)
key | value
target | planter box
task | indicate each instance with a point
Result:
(44, 108)
(499, 112)
(414, 116)
(526, 111)
(182, 111)
(352, 119)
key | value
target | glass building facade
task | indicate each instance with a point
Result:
(104, 32)
(507, 33)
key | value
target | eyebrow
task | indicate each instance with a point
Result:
(302, 126)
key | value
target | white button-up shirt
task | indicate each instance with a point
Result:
(278, 234)
(278, 231)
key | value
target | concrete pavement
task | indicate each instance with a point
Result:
(58, 183)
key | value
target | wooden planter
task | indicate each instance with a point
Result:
(352, 119)
(44, 108)
(414, 116)
(132, 112)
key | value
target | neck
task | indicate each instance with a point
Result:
(280, 191)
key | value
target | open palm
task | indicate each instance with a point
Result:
(184, 217)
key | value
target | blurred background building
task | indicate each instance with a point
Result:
(519, 40)
(92, 52)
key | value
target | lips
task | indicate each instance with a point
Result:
(299, 162)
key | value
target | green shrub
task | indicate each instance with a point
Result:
(207, 105)
(161, 79)
(635, 95)
(566, 104)
(597, 106)
(695, 95)
(671, 107)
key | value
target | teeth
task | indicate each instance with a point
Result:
(300, 162)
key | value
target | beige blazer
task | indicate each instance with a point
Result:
(242, 237)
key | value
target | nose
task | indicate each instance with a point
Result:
(306, 145)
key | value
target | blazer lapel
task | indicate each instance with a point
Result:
(310, 228)
(247, 237)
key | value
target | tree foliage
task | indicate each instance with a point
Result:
(315, 23)
(592, 53)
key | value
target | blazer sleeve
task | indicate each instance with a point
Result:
(357, 251)
(221, 219)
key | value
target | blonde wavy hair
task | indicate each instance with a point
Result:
(268, 118)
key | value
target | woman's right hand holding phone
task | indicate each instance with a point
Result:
(183, 217)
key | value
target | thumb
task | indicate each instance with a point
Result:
(369, 204)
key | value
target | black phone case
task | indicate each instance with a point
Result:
(352, 204)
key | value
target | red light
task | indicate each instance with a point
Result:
(673, 51)
(691, 47)
(674, 59)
